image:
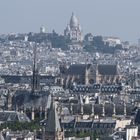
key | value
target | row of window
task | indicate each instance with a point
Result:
(103, 89)
(89, 125)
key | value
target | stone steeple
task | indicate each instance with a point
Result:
(53, 129)
(35, 77)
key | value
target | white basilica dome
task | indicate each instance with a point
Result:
(74, 21)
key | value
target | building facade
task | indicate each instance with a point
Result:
(88, 74)
(82, 74)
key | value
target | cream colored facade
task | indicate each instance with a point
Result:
(121, 123)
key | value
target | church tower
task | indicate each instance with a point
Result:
(53, 130)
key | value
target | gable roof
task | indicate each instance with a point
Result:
(13, 116)
(107, 69)
(77, 69)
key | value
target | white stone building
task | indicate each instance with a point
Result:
(112, 41)
(73, 30)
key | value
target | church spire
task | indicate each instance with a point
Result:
(53, 129)
(35, 77)
(53, 124)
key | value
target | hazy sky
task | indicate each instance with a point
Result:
(119, 18)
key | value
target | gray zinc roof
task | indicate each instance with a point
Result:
(77, 69)
(107, 69)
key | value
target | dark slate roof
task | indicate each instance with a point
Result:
(107, 138)
(68, 125)
(13, 116)
(77, 69)
(107, 69)
(121, 134)
(84, 124)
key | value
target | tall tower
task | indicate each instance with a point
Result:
(35, 77)
(53, 130)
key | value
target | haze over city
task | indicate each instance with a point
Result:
(69, 70)
(109, 18)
